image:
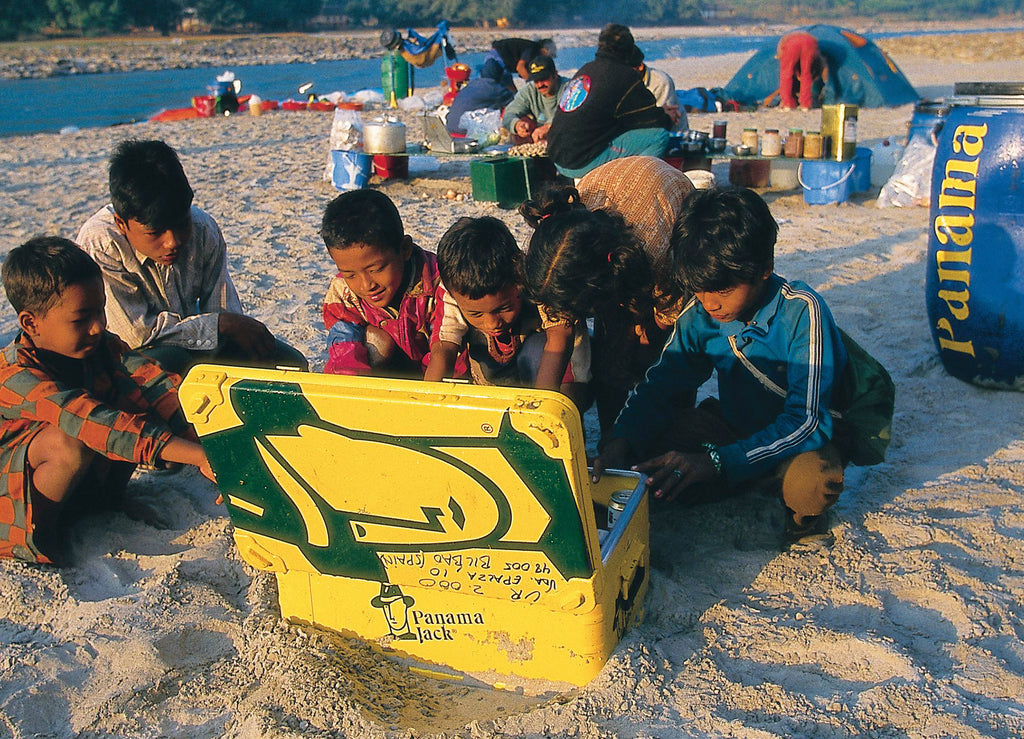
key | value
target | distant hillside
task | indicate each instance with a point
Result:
(71, 18)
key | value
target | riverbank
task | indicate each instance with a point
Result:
(23, 60)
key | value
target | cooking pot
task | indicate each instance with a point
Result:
(381, 136)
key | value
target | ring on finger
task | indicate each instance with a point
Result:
(678, 474)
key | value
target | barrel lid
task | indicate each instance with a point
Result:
(988, 88)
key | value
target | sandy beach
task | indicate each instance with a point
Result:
(910, 626)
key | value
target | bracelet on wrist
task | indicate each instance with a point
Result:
(716, 458)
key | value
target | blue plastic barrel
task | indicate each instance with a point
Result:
(975, 273)
(927, 119)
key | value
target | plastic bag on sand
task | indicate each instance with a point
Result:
(911, 182)
(432, 96)
(367, 97)
(346, 134)
(419, 166)
(412, 103)
(483, 125)
(346, 129)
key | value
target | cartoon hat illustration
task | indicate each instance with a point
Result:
(389, 594)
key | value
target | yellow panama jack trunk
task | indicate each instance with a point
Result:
(452, 523)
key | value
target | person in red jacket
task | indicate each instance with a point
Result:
(801, 62)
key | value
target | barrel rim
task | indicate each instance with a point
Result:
(988, 88)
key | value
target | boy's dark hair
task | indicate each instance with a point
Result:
(478, 257)
(723, 238)
(362, 217)
(148, 184)
(37, 273)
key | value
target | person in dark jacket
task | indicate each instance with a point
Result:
(605, 111)
(485, 92)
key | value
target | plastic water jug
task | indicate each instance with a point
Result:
(884, 157)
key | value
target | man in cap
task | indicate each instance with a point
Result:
(529, 114)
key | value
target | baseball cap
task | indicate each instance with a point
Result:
(541, 68)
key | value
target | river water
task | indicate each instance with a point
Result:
(52, 104)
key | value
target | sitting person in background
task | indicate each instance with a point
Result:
(511, 341)
(164, 264)
(510, 56)
(481, 93)
(663, 88)
(379, 309)
(605, 112)
(78, 409)
(528, 116)
(802, 69)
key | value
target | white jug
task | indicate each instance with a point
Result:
(884, 156)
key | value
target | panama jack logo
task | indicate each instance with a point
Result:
(395, 605)
(408, 624)
(575, 93)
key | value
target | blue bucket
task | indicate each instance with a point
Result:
(825, 181)
(351, 169)
(862, 170)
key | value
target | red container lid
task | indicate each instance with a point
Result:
(350, 106)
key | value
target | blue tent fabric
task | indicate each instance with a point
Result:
(860, 73)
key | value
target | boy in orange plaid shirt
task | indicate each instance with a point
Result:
(78, 409)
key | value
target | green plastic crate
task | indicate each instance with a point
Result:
(502, 180)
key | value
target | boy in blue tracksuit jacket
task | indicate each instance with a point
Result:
(778, 354)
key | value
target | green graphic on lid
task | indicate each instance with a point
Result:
(269, 410)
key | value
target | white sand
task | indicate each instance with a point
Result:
(909, 626)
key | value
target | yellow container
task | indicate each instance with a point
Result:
(450, 523)
(839, 123)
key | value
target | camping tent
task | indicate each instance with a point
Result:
(861, 73)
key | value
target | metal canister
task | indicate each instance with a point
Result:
(616, 505)
(840, 123)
